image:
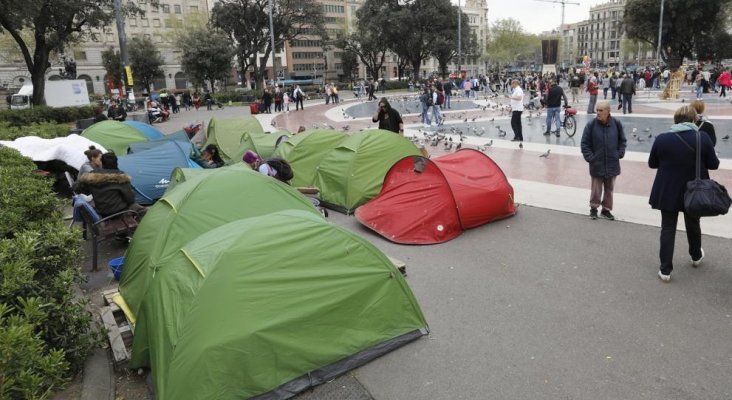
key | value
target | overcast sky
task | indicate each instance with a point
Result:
(538, 16)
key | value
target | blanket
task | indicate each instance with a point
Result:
(69, 149)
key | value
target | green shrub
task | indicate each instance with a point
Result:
(45, 331)
(39, 114)
(46, 130)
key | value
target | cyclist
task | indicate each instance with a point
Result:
(553, 102)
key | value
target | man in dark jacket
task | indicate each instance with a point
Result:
(603, 145)
(553, 101)
(627, 89)
(110, 188)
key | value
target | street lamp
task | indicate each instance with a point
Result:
(660, 30)
(271, 34)
(460, 18)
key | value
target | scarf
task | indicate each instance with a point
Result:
(684, 126)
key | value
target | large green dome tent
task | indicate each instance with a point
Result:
(306, 150)
(263, 144)
(114, 135)
(203, 202)
(268, 306)
(227, 134)
(353, 172)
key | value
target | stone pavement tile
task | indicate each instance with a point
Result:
(345, 387)
(98, 382)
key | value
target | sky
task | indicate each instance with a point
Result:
(539, 16)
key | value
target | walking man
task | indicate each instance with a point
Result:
(298, 95)
(517, 108)
(603, 145)
(553, 102)
(627, 90)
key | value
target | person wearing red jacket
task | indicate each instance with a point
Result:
(724, 82)
(592, 88)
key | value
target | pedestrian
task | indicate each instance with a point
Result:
(605, 82)
(278, 99)
(627, 89)
(267, 101)
(553, 102)
(436, 114)
(613, 83)
(603, 145)
(517, 108)
(724, 82)
(298, 95)
(388, 118)
(382, 85)
(208, 100)
(592, 90)
(286, 102)
(574, 85)
(674, 156)
(447, 88)
(467, 87)
(425, 100)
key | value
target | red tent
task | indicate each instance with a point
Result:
(427, 201)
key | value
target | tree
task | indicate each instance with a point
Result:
(687, 27)
(349, 63)
(112, 63)
(426, 23)
(247, 23)
(207, 56)
(446, 45)
(509, 43)
(369, 41)
(145, 60)
(54, 25)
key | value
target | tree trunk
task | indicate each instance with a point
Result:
(415, 68)
(38, 75)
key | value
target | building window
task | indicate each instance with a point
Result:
(158, 38)
(80, 55)
(133, 22)
(156, 23)
(176, 8)
(166, 8)
(145, 23)
(110, 37)
(169, 23)
(146, 36)
(194, 9)
(328, 8)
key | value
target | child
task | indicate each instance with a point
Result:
(286, 102)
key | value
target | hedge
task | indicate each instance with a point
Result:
(45, 331)
(40, 114)
(45, 130)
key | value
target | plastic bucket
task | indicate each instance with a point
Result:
(116, 265)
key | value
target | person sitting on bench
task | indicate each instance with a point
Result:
(110, 188)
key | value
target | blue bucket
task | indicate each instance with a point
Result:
(116, 265)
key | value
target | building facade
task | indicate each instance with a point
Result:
(601, 36)
(160, 24)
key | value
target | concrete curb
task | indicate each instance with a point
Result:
(98, 382)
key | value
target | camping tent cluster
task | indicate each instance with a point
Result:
(241, 289)
(348, 169)
(426, 201)
(234, 136)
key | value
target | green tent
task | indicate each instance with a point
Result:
(227, 134)
(353, 172)
(203, 202)
(114, 135)
(306, 150)
(263, 144)
(270, 306)
(180, 175)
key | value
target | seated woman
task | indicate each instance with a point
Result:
(94, 157)
(110, 187)
(211, 158)
(275, 167)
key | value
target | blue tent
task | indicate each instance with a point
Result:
(150, 169)
(150, 132)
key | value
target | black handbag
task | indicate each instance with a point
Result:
(704, 197)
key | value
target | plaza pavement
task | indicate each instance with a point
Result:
(549, 304)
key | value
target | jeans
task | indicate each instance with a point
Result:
(669, 219)
(437, 115)
(699, 91)
(425, 114)
(516, 125)
(627, 103)
(591, 105)
(553, 114)
(604, 93)
(447, 100)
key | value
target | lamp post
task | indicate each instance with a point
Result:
(460, 19)
(271, 34)
(660, 30)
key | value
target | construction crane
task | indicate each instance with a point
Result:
(563, 3)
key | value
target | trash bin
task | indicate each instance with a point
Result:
(116, 265)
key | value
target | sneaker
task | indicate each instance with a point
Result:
(547, 133)
(593, 213)
(696, 263)
(607, 215)
(664, 277)
(557, 133)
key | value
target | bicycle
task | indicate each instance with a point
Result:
(569, 123)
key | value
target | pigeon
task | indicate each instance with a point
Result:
(683, 100)
(546, 155)
(473, 120)
(650, 136)
(521, 145)
(489, 144)
(273, 123)
(726, 137)
(482, 148)
(493, 119)
(465, 120)
(346, 127)
(647, 130)
(502, 133)
(635, 130)
(435, 142)
(459, 145)
(449, 146)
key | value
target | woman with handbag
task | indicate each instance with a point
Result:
(674, 155)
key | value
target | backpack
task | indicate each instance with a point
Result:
(283, 168)
(440, 98)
